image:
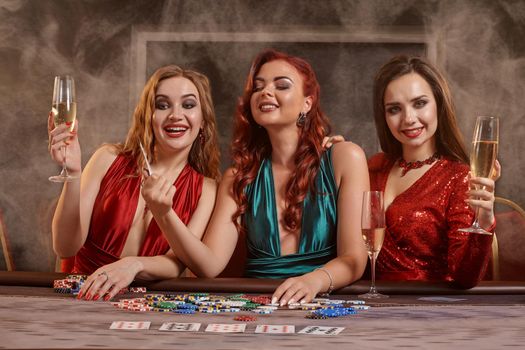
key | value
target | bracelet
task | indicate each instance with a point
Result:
(331, 287)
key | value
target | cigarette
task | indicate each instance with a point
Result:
(145, 158)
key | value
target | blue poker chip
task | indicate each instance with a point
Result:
(184, 311)
(187, 306)
(338, 312)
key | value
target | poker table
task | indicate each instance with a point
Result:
(416, 315)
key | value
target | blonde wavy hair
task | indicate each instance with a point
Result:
(204, 156)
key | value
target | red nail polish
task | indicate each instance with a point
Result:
(95, 298)
(106, 298)
(68, 123)
(80, 294)
(88, 296)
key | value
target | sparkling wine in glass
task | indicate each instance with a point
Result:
(373, 232)
(482, 157)
(64, 110)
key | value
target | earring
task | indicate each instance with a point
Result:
(202, 138)
(301, 119)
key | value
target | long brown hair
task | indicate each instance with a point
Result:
(251, 143)
(449, 141)
(204, 156)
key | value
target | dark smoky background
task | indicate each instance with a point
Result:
(112, 46)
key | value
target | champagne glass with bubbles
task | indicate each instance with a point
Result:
(482, 157)
(373, 232)
(64, 110)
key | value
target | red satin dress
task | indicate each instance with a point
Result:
(422, 241)
(115, 208)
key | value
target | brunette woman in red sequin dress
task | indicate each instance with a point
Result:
(112, 220)
(424, 173)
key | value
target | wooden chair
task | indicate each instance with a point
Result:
(10, 266)
(508, 246)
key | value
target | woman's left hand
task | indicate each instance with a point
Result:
(300, 289)
(108, 280)
(158, 194)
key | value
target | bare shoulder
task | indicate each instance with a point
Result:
(349, 162)
(106, 152)
(347, 152)
(228, 176)
(102, 159)
(209, 186)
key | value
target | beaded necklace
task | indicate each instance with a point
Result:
(407, 166)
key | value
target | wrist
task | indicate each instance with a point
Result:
(134, 264)
(487, 221)
(328, 276)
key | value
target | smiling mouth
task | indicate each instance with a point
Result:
(268, 107)
(175, 131)
(413, 133)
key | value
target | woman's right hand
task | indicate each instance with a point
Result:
(59, 137)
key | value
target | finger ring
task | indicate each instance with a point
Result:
(104, 273)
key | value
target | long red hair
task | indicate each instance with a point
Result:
(251, 143)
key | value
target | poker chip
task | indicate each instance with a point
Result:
(183, 311)
(361, 307)
(329, 313)
(267, 307)
(322, 308)
(315, 316)
(245, 318)
(294, 305)
(262, 311)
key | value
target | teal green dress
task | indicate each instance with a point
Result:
(318, 237)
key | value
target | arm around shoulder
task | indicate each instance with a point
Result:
(349, 161)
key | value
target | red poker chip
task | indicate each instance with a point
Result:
(245, 318)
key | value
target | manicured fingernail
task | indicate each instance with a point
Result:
(96, 297)
(282, 303)
(274, 300)
(80, 294)
(88, 296)
(69, 123)
(291, 301)
(106, 298)
(302, 301)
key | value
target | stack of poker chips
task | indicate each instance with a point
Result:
(73, 283)
(326, 308)
(196, 302)
(69, 285)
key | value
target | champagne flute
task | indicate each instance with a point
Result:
(373, 232)
(482, 157)
(64, 110)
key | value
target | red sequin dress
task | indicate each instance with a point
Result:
(114, 210)
(422, 241)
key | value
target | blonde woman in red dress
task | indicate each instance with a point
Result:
(112, 220)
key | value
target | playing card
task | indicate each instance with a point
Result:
(226, 328)
(180, 327)
(321, 330)
(126, 325)
(275, 328)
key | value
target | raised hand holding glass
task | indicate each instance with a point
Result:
(64, 110)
